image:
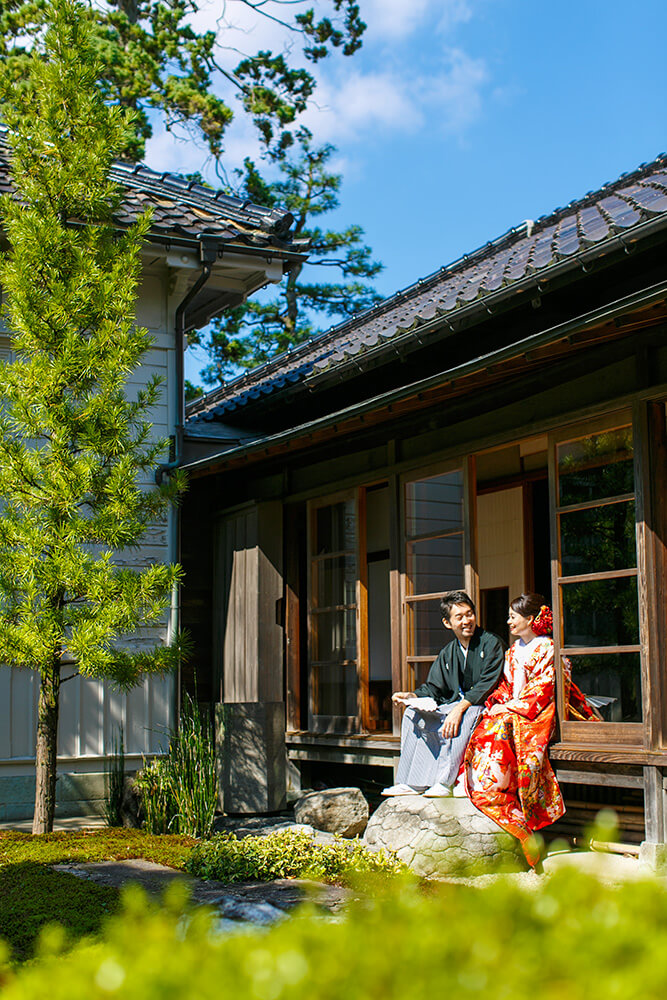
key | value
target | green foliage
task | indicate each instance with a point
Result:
(33, 897)
(93, 845)
(115, 782)
(571, 938)
(76, 449)
(286, 854)
(180, 791)
(256, 331)
(155, 784)
(73, 444)
(151, 57)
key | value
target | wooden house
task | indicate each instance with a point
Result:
(204, 253)
(498, 425)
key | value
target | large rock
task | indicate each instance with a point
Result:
(436, 837)
(335, 810)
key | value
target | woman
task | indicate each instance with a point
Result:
(507, 772)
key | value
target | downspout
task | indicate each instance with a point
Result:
(180, 328)
(208, 253)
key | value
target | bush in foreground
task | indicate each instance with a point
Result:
(286, 854)
(571, 938)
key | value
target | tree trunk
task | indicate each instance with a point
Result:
(47, 746)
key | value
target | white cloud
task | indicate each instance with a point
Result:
(456, 94)
(396, 19)
(355, 99)
(350, 105)
(454, 12)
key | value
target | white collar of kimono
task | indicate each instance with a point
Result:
(523, 650)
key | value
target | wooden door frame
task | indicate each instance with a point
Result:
(607, 735)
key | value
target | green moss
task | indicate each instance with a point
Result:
(33, 896)
(94, 845)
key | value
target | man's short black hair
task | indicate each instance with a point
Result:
(453, 597)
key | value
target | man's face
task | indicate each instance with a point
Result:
(462, 622)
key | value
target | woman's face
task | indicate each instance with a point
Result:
(520, 626)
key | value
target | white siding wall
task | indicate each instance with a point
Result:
(91, 711)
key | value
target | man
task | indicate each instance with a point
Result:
(434, 736)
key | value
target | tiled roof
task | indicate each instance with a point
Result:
(185, 211)
(585, 227)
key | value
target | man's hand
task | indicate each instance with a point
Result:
(398, 697)
(452, 723)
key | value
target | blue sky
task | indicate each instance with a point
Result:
(460, 118)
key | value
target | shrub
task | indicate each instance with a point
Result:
(285, 854)
(180, 791)
(571, 938)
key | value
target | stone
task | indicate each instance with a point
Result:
(131, 809)
(334, 810)
(441, 837)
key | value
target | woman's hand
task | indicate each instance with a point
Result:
(497, 710)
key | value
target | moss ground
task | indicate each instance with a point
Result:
(33, 896)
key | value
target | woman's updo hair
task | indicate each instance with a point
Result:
(533, 606)
(528, 605)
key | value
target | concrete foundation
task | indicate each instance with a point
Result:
(653, 857)
(76, 795)
(250, 737)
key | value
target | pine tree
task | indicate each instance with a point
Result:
(76, 449)
(259, 329)
(153, 60)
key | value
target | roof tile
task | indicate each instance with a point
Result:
(530, 249)
(187, 209)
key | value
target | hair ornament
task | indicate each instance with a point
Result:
(543, 621)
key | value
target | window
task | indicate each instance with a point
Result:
(597, 570)
(434, 562)
(334, 683)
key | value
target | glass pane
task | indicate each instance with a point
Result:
(596, 467)
(336, 581)
(434, 505)
(425, 629)
(335, 635)
(601, 613)
(612, 683)
(598, 539)
(436, 564)
(335, 689)
(335, 528)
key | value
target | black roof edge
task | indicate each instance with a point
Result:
(386, 304)
(525, 228)
(610, 310)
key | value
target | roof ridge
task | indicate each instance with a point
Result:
(385, 305)
(511, 238)
(125, 171)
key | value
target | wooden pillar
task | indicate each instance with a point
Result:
(655, 803)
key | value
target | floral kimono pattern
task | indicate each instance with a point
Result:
(507, 772)
(578, 708)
